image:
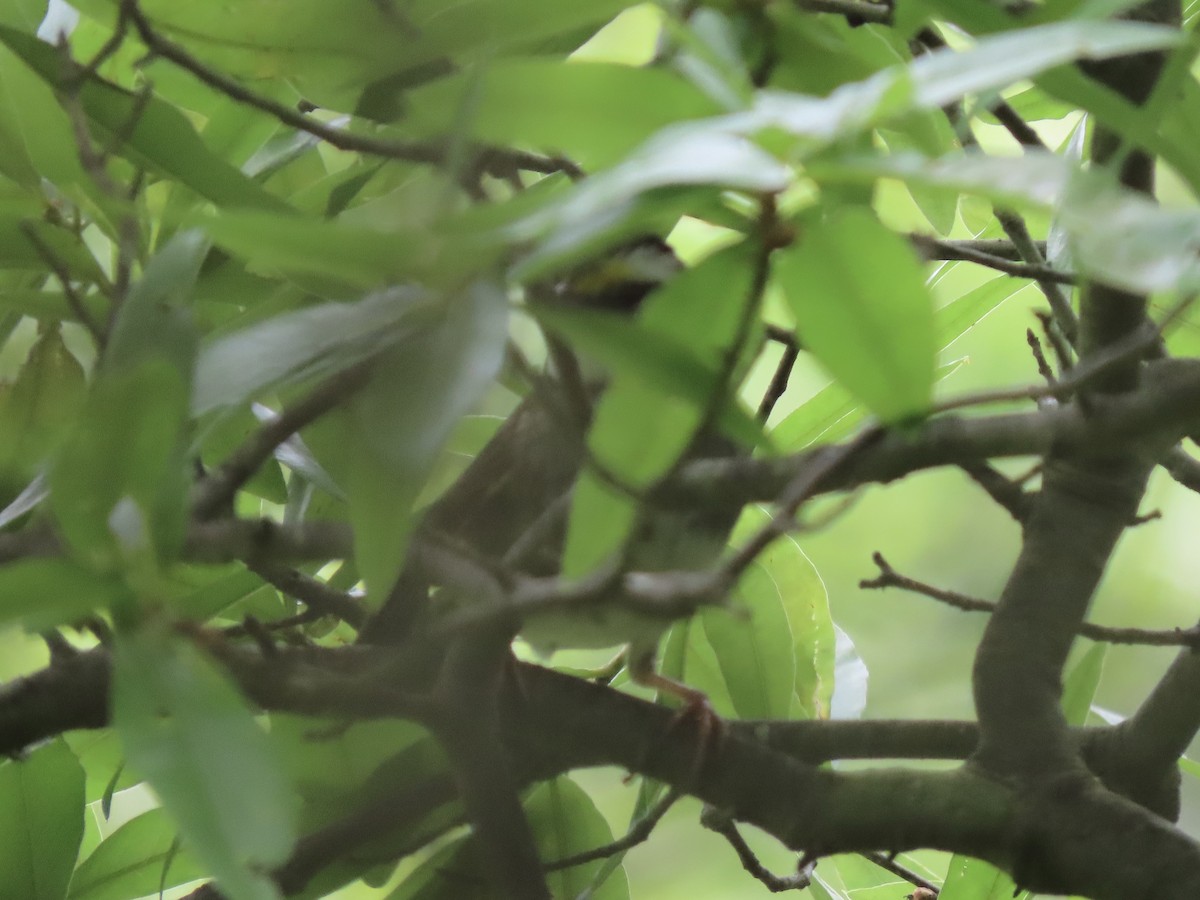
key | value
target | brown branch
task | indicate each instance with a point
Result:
(318, 596)
(721, 823)
(992, 247)
(936, 248)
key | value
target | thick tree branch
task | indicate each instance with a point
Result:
(553, 722)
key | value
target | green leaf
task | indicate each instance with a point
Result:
(595, 113)
(17, 251)
(295, 346)
(652, 359)
(859, 298)
(775, 647)
(962, 313)
(38, 124)
(158, 135)
(155, 321)
(261, 41)
(973, 879)
(932, 133)
(140, 858)
(1153, 250)
(1189, 767)
(40, 406)
(41, 818)
(564, 821)
(999, 60)
(399, 422)
(347, 253)
(709, 152)
(665, 367)
(1034, 178)
(816, 417)
(43, 593)
(1079, 686)
(186, 729)
(937, 79)
(753, 647)
(601, 519)
(119, 489)
(24, 14)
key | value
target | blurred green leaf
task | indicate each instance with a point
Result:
(41, 817)
(259, 40)
(399, 422)
(119, 487)
(24, 14)
(158, 134)
(38, 125)
(564, 821)
(859, 297)
(595, 113)
(39, 407)
(155, 321)
(19, 217)
(351, 254)
(43, 593)
(186, 729)
(140, 858)
(1034, 178)
(664, 369)
(707, 152)
(295, 346)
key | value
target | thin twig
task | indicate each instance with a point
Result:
(63, 274)
(215, 494)
(639, 832)
(1035, 347)
(432, 152)
(721, 823)
(789, 502)
(936, 248)
(1006, 493)
(1172, 637)
(1062, 351)
(1078, 377)
(318, 596)
(783, 371)
(994, 247)
(888, 862)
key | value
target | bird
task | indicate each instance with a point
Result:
(520, 483)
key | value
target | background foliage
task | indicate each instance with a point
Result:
(267, 283)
